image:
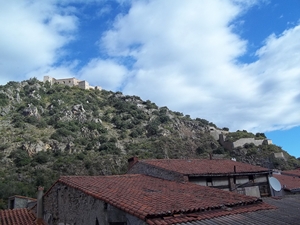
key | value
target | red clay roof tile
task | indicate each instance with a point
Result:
(204, 166)
(288, 182)
(17, 217)
(295, 172)
(148, 197)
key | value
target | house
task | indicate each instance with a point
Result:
(17, 202)
(24, 216)
(218, 173)
(139, 199)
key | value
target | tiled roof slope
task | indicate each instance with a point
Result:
(159, 201)
(17, 217)
(288, 182)
(287, 213)
(295, 172)
(204, 166)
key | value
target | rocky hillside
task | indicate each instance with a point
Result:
(48, 131)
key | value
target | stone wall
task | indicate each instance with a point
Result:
(17, 202)
(241, 142)
(70, 82)
(66, 205)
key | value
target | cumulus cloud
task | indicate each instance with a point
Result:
(32, 34)
(278, 75)
(104, 73)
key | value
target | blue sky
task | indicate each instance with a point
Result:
(232, 62)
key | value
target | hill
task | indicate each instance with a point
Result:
(52, 130)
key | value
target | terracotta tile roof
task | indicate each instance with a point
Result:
(289, 183)
(17, 217)
(295, 172)
(204, 166)
(287, 212)
(159, 201)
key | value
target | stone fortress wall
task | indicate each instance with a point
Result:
(220, 136)
(70, 82)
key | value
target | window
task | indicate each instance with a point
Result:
(251, 178)
(209, 181)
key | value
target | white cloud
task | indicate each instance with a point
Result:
(105, 73)
(278, 74)
(32, 34)
(184, 54)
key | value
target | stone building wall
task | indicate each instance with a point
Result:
(241, 142)
(70, 82)
(66, 205)
(17, 202)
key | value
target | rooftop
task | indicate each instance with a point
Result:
(289, 183)
(159, 201)
(204, 166)
(287, 212)
(295, 172)
(17, 216)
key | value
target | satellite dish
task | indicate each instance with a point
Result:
(275, 184)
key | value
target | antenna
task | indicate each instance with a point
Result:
(275, 184)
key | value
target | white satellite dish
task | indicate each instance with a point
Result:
(275, 184)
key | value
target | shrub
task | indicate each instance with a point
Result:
(21, 158)
(200, 150)
(110, 148)
(41, 157)
(3, 100)
(219, 150)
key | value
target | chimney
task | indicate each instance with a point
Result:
(132, 161)
(234, 169)
(39, 205)
(210, 156)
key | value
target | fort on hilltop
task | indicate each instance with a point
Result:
(71, 82)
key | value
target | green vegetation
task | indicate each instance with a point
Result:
(234, 136)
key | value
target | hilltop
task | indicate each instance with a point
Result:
(48, 130)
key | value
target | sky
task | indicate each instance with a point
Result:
(235, 63)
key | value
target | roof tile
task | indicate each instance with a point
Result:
(288, 182)
(152, 199)
(17, 217)
(204, 166)
(295, 172)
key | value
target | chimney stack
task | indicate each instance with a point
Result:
(39, 205)
(132, 161)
